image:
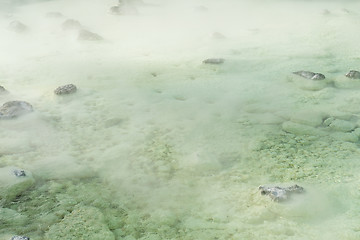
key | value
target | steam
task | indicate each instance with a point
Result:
(157, 124)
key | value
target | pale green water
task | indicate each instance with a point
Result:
(156, 145)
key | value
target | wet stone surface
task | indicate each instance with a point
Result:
(66, 89)
(353, 74)
(280, 194)
(214, 61)
(14, 109)
(310, 75)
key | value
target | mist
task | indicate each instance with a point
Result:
(181, 110)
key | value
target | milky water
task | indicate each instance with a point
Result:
(166, 147)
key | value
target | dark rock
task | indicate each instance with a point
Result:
(14, 109)
(310, 75)
(86, 35)
(66, 89)
(20, 238)
(214, 61)
(19, 173)
(280, 194)
(17, 27)
(71, 24)
(353, 74)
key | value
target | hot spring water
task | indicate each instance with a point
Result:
(155, 144)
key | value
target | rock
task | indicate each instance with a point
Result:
(71, 24)
(82, 223)
(54, 15)
(280, 194)
(19, 173)
(217, 35)
(319, 82)
(86, 35)
(14, 109)
(310, 118)
(353, 74)
(339, 125)
(66, 89)
(12, 185)
(3, 90)
(310, 75)
(17, 27)
(214, 61)
(115, 10)
(301, 129)
(20, 238)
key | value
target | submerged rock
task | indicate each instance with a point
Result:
(12, 185)
(353, 74)
(20, 238)
(310, 75)
(214, 61)
(280, 194)
(115, 10)
(66, 89)
(339, 124)
(14, 109)
(54, 15)
(86, 35)
(71, 24)
(17, 27)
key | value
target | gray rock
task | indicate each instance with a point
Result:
(71, 24)
(310, 75)
(14, 109)
(353, 74)
(17, 27)
(19, 173)
(214, 61)
(280, 194)
(86, 35)
(66, 89)
(20, 238)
